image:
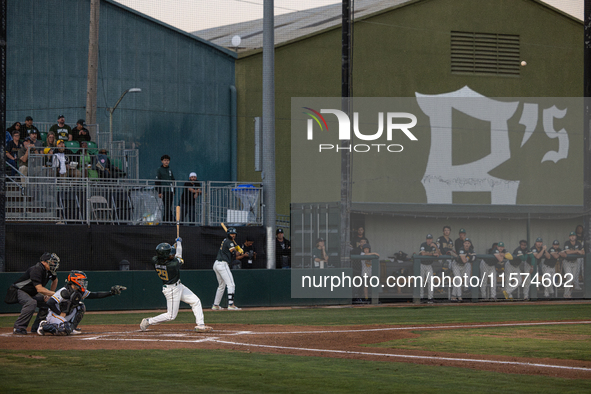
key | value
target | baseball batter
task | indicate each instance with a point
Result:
(574, 248)
(223, 273)
(66, 308)
(167, 263)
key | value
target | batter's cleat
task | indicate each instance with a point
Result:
(144, 325)
(40, 329)
(19, 331)
(203, 328)
(233, 308)
(216, 308)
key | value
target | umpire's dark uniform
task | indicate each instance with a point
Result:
(30, 299)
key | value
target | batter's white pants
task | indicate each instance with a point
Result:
(546, 269)
(225, 279)
(174, 295)
(426, 272)
(569, 267)
(488, 271)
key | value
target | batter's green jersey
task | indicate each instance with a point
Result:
(225, 254)
(168, 270)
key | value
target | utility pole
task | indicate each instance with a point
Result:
(3, 38)
(586, 136)
(92, 79)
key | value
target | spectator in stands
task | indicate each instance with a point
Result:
(62, 161)
(282, 250)
(36, 142)
(23, 157)
(79, 133)
(61, 129)
(18, 127)
(319, 254)
(51, 141)
(166, 187)
(246, 259)
(8, 137)
(29, 128)
(86, 158)
(12, 150)
(104, 167)
(191, 191)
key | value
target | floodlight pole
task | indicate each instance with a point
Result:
(345, 236)
(587, 140)
(111, 110)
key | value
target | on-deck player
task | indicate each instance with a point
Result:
(223, 273)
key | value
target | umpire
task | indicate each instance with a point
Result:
(32, 292)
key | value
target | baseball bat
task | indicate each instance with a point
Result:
(224, 227)
(178, 219)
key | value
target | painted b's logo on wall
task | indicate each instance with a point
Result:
(394, 122)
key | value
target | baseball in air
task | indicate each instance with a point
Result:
(523, 63)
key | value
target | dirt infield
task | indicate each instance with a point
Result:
(336, 342)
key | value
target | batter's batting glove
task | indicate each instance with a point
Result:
(179, 239)
(239, 249)
(117, 289)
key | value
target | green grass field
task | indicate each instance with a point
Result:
(205, 371)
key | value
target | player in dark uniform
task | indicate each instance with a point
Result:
(446, 247)
(459, 242)
(538, 252)
(463, 266)
(549, 266)
(167, 264)
(572, 247)
(428, 248)
(223, 273)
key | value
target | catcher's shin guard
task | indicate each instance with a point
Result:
(47, 328)
(65, 328)
(79, 315)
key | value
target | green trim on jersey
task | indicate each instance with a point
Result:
(168, 270)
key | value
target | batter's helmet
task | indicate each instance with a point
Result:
(78, 278)
(231, 230)
(164, 250)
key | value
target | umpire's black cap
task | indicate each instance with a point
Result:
(45, 256)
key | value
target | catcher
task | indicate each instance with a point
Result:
(66, 308)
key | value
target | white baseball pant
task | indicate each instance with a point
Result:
(550, 271)
(459, 269)
(511, 269)
(488, 271)
(569, 267)
(225, 279)
(174, 295)
(426, 270)
(526, 267)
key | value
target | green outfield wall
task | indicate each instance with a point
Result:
(254, 288)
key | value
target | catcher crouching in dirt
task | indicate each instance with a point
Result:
(66, 308)
(167, 264)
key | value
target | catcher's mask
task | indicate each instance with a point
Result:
(78, 278)
(53, 260)
(231, 230)
(165, 251)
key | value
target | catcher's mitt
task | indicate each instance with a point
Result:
(117, 289)
(508, 256)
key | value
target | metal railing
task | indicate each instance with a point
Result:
(85, 200)
(235, 203)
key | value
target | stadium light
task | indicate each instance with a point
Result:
(111, 110)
